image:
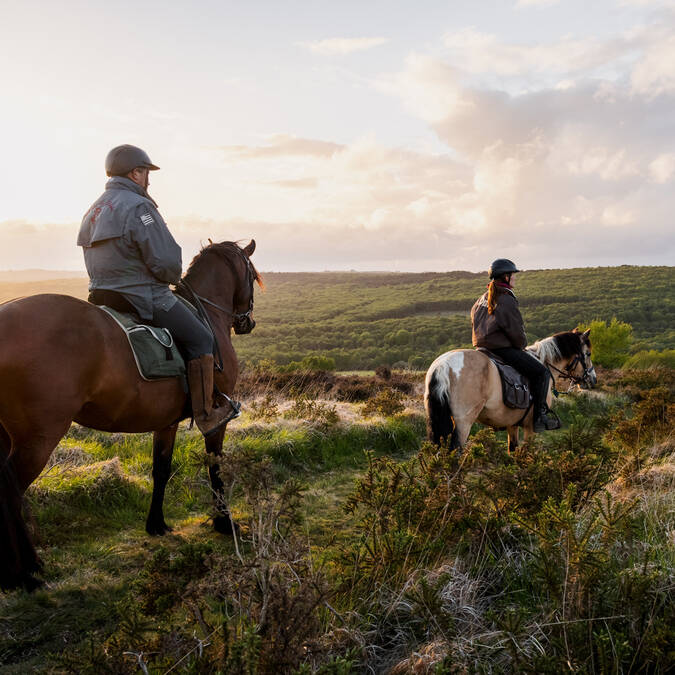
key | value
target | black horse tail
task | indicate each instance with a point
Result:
(440, 422)
(18, 557)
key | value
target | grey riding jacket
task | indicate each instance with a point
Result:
(128, 247)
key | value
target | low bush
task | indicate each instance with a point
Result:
(386, 402)
(314, 412)
(651, 359)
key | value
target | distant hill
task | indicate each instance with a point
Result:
(76, 286)
(365, 319)
(39, 275)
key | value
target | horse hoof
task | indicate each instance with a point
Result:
(224, 525)
(158, 529)
(30, 583)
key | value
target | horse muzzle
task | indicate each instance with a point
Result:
(589, 380)
(243, 324)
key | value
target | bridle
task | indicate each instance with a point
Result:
(568, 374)
(238, 318)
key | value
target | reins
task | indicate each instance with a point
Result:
(199, 300)
(203, 315)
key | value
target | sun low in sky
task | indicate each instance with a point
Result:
(388, 135)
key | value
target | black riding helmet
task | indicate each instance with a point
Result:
(125, 158)
(502, 266)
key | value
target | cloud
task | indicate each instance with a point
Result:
(296, 183)
(342, 46)
(479, 52)
(536, 3)
(46, 246)
(282, 145)
(663, 168)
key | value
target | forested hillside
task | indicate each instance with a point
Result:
(362, 320)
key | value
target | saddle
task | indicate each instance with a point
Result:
(515, 387)
(154, 349)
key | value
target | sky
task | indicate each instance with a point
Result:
(384, 135)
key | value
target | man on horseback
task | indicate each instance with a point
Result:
(497, 325)
(131, 258)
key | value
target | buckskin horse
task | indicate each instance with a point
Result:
(64, 360)
(464, 385)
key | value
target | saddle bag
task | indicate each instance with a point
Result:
(515, 387)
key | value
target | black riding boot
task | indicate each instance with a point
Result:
(544, 418)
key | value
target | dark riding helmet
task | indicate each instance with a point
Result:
(502, 266)
(125, 158)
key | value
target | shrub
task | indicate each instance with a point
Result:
(314, 412)
(387, 402)
(266, 409)
(313, 362)
(611, 343)
(651, 359)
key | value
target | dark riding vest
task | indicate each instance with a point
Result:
(128, 247)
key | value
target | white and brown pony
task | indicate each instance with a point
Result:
(463, 386)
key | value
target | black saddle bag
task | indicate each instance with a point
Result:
(515, 387)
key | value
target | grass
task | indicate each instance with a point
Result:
(361, 547)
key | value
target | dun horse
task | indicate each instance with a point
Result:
(64, 360)
(464, 385)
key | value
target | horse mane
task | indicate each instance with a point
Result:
(557, 347)
(226, 250)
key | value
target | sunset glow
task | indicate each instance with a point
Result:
(386, 135)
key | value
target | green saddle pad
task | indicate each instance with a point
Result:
(154, 348)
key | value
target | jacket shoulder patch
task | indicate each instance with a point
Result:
(147, 219)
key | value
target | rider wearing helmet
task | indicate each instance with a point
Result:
(497, 325)
(131, 258)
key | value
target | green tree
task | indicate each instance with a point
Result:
(611, 343)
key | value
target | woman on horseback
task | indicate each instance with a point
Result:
(497, 325)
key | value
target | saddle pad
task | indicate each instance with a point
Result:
(515, 387)
(153, 348)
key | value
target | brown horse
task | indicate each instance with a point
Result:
(464, 385)
(64, 360)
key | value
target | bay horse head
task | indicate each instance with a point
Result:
(229, 290)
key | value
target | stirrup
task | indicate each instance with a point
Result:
(236, 405)
(548, 421)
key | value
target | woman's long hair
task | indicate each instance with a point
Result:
(492, 293)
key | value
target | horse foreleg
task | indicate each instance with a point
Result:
(222, 521)
(513, 438)
(162, 452)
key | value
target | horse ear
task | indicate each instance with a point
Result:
(248, 250)
(586, 334)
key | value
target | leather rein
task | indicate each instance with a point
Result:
(199, 300)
